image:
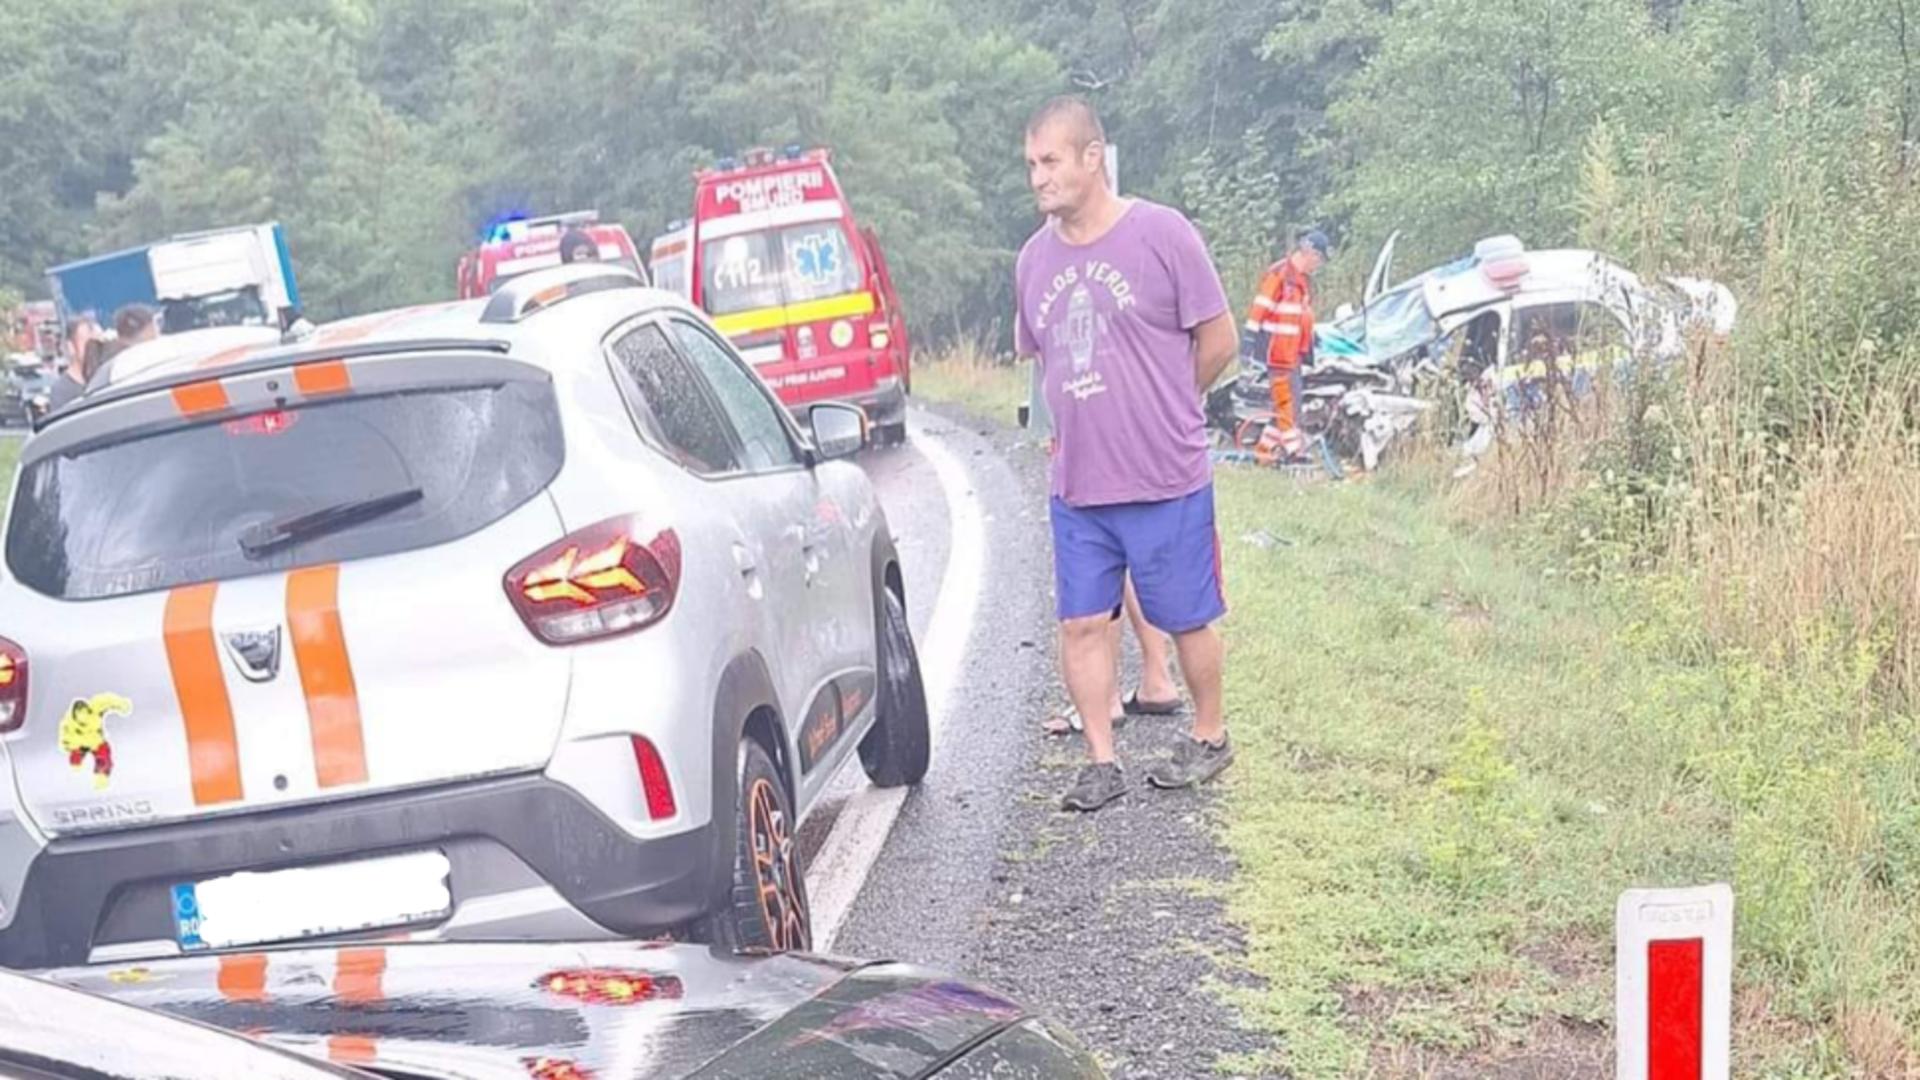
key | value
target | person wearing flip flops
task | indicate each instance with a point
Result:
(1121, 307)
(1157, 694)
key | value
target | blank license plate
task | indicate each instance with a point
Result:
(257, 907)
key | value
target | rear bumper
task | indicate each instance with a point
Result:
(885, 404)
(86, 892)
(888, 405)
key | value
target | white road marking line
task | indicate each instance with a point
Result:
(860, 832)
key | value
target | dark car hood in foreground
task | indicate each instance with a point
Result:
(603, 1010)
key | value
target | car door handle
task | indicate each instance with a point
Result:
(809, 550)
(743, 561)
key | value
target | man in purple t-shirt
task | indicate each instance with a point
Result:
(1121, 307)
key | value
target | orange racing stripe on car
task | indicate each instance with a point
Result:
(326, 675)
(243, 977)
(195, 399)
(213, 755)
(358, 974)
(325, 377)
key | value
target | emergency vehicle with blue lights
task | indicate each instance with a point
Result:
(775, 255)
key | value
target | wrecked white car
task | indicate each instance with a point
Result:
(1507, 322)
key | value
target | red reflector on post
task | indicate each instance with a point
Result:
(653, 779)
(1673, 1004)
(1674, 1009)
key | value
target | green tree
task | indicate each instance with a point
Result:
(284, 130)
(54, 130)
(1468, 121)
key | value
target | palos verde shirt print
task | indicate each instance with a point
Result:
(1110, 323)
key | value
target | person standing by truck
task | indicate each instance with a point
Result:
(82, 351)
(132, 325)
(577, 246)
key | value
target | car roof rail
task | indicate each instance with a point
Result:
(269, 360)
(535, 292)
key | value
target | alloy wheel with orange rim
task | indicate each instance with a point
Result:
(776, 874)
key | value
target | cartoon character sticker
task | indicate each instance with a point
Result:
(83, 733)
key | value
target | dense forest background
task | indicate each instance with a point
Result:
(385, 133)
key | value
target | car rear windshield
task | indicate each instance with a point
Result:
(349, 479)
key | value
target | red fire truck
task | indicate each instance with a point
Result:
(774, 254)
(517, 245)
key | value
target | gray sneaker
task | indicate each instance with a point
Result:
(1097, 785)
(1193, 762)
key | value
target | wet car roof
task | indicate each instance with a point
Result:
(608, 1008)
(214, 352)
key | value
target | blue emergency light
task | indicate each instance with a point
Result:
(503, 227)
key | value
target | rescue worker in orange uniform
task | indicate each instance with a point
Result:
(1281, 321)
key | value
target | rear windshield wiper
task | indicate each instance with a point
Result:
(270, 536)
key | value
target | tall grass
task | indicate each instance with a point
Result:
(969, 374)
(1801, 545)
(1779, 472)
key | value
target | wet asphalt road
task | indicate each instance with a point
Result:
(933, 879)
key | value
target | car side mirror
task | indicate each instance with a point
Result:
(839, 431)
(1343, 313)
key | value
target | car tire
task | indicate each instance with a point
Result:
(899, 746)
(766, 906)
(891, 434)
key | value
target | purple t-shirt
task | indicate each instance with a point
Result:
(1110, 323)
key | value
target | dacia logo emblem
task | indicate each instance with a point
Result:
(256, 653)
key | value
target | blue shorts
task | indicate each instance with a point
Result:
(1171, 549)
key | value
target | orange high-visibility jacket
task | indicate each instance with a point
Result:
(1282, 314)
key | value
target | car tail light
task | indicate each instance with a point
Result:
(653, 779)
(13, 686)
(879, 335)
(601, 581)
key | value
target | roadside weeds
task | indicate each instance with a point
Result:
(1453, 763)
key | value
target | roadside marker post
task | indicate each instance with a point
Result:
(1673, 983)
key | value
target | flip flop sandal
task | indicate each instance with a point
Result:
(1068, 722)
(1136, 707)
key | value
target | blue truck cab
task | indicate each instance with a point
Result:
(240, 276)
